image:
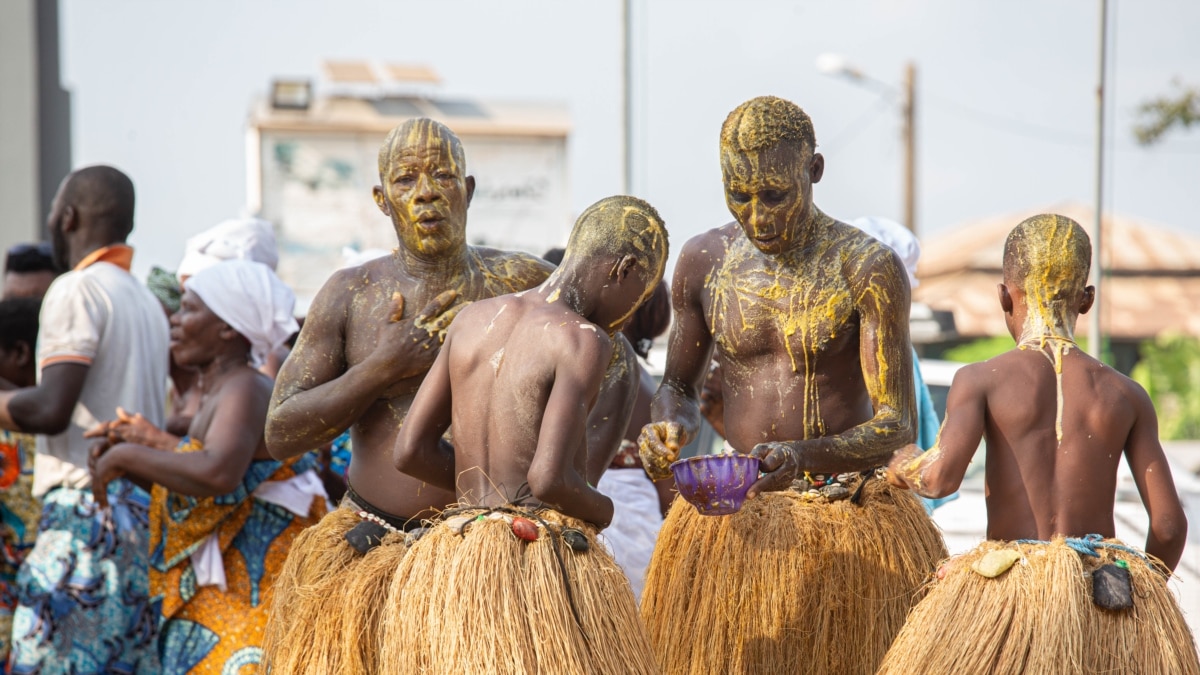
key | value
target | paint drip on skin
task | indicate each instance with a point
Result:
(1052, 270)
(804, 298)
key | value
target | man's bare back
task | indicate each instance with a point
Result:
(520, 374)
(507, 355)
(1036, 487)
(351, 321)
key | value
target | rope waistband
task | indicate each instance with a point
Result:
(1088, 544)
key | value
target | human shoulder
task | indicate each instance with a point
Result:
(1131, 390)
(978, 376)
(332, 300)
(571, 336)
(478, 311)
(248, 384)
(712, 243)
(865, 259)
(513, 264)
(703, 253)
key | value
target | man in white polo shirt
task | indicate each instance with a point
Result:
(83, 594)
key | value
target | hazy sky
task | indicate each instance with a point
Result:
(1006, 112)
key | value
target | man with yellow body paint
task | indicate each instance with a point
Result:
(808, 319)
(369, 339)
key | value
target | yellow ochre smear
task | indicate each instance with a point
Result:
(1051, 254)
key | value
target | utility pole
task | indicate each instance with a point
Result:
(1095, 339)
(910, 146)
(626, 98)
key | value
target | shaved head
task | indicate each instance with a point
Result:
(103, 196)
(764, 122)
(420, 131)
(620, 226)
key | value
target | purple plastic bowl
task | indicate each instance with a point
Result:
(715, 484)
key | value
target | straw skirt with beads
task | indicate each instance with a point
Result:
(328, 599)
(512, 590)
(792, 583)
(1009, 607)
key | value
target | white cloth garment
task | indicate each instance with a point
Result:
(898, 238)
(635, 524)
(295, 494)
(252, 300)
(237, 239)
(101, 317)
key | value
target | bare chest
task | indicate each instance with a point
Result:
(803, 313)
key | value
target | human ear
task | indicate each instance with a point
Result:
(24, 354)
(470, 189)
(70, 219)
(1089, 297)
(381, 201)
(816, 167)
(623, 267)
(1006, 302)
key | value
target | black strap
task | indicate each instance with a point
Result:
(399, 522)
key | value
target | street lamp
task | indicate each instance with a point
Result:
(835, 65)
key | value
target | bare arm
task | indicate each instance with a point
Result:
(317, 396)
(610, 417)
(1167, 533)
(420, 450)
(676, 404)
(885, 353)
(133, 428)
(553, 477)
(230, 442)
(940, 471)
(46, 408)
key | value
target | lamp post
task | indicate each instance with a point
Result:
(836, 65)
(1095, 339)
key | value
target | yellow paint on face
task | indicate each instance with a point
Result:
(424, 183)
(769, 194)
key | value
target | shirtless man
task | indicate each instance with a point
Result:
(372, 333)
(1057, 423)
(809, 319)
(517, 378)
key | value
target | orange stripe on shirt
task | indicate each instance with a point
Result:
(66, 358)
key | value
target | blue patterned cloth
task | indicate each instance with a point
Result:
(339, 455)
(83, 591)
(928, 426)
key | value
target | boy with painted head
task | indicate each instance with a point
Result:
(1053, 589)
(808, 319)
(513, 580)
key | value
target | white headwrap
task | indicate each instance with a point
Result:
(237, 239)
(898, 238)
(252, 300)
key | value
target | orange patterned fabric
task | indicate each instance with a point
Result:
(205, 629)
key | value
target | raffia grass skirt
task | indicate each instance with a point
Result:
(1038, 617)
(480, 600)
(788, 585)
(328, 601)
